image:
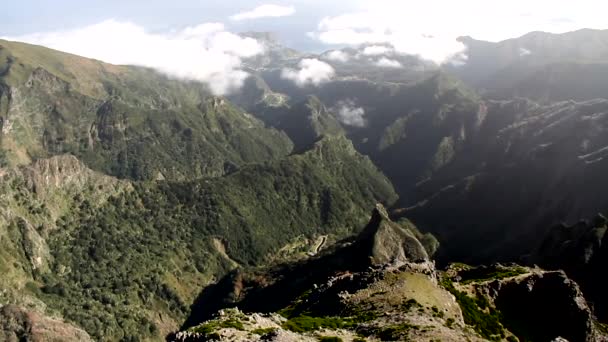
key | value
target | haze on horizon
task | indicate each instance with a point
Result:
(198, 40)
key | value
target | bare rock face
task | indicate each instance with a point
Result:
(17, 324)
(58, 172)
(389, 243)
(544, 306)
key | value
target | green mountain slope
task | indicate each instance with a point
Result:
(128, 264)
(304, 122)
(126, 121)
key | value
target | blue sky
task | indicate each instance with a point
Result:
(29, 16)
(464, 17)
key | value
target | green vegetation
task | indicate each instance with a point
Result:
(490, 273)
(263, 331)
(126, 121)
(303, 323)
(437, 313)
(329, 339)
(115, 265)
(308, 121)
(428, 240)
(391, 332)
(410, 304)
(484, 319)
(306, 321)
(210, 327)
(449, 322)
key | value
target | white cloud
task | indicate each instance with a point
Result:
(524, 52)
(376, 50)
(338, 56)
(361, 28)
(206, 52)
(265, 11)
(430, 28)
(311, 71)
(388, 63)
(350, 114)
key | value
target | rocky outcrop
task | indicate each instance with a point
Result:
(572, 246)
(383, 274)
(17, 324)
(61, 172)
(388, 243)
(534, 304)
(581, 250)
(545, 306)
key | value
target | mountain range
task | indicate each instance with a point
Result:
(135, 206)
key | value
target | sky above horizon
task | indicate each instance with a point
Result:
(195, 39)
(484, 20)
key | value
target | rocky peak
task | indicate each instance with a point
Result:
(387, 242)
(47, 81)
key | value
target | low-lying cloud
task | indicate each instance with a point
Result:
(350, 114)
(311, 71)
(338, 56)
(206, 53)
(376, 50)
(429, 28)
(388, 63)
(372, 28)
(265, 11)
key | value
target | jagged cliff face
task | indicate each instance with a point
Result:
(580, 250)
(531, 303)
(546, 306)
(510, 182)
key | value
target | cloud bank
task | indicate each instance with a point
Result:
(265, 11)
(430, 28)
(365, 28)
(338, 56)
(376, 50)
(388, 63)
(205, 53)
(311, 72)
(350, 114)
